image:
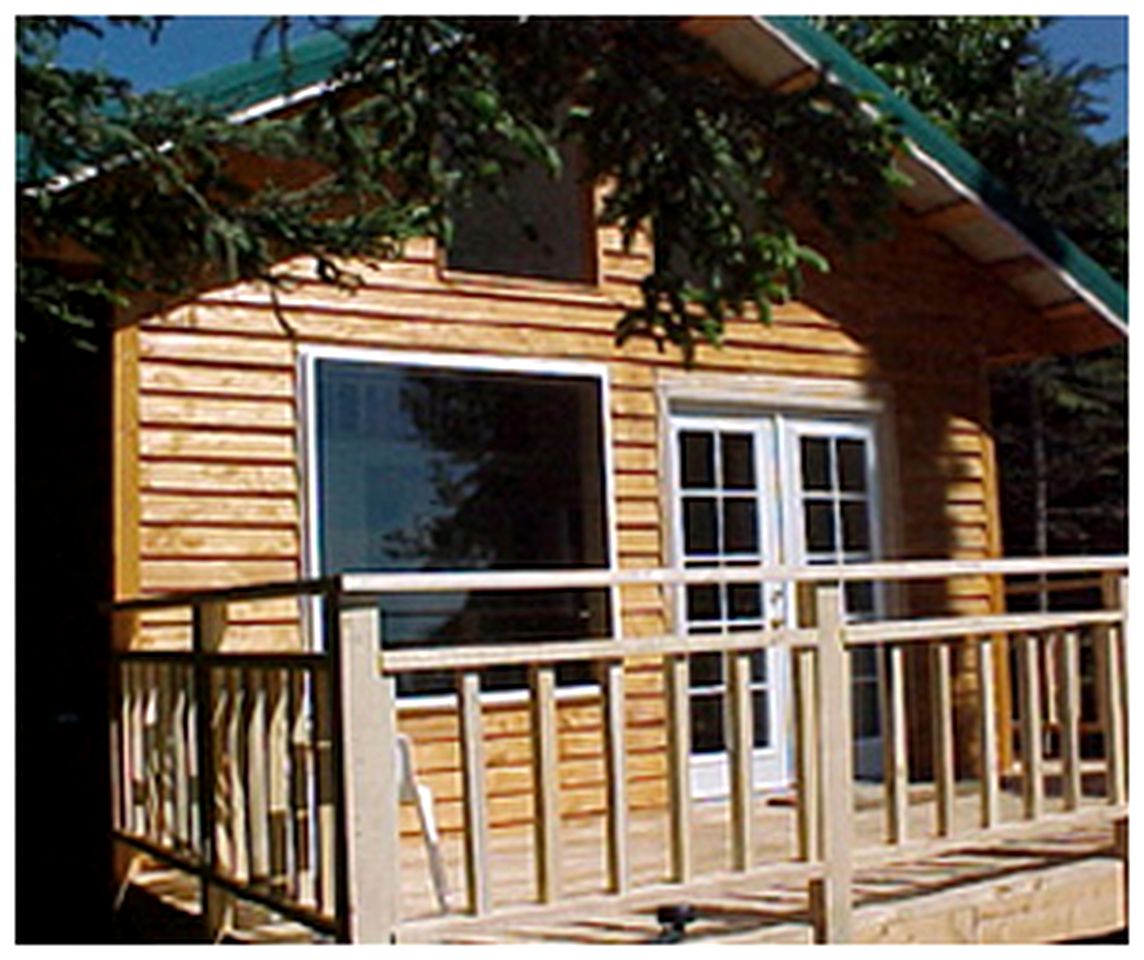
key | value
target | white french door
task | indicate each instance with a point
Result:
(756, 488)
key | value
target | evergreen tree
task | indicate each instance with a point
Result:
(421, 113)
(1061, 423)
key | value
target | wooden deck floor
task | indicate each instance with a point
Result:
(1052, 883)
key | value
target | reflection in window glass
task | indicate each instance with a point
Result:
(423, 468)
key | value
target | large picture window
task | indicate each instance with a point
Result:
(425, 468)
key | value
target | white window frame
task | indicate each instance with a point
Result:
(308, 357)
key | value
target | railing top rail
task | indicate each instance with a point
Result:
(363, 585)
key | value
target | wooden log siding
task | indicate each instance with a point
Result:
(210, 464)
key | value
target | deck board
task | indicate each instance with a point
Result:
(767, 904)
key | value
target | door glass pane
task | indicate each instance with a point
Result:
(738, 450)
(855, 526)
(697, 460)
(859, 600)
(759, 667)
(745, 601)
(851, 465)
(700, 525)
(703, 603)
(819, 518)
(760, 703)
(706, 724)
(707, 670)
(815, 463)
(864, 712)
(741, 525)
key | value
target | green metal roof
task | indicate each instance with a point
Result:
(261, 82)
(951, 155)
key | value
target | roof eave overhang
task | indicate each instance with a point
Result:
(777, 52)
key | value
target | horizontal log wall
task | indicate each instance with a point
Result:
(210, 468)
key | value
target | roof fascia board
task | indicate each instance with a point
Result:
(959, 170)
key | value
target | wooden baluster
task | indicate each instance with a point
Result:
(152, 753)
(165, 745)
(235, 729)
(256, 787)
(278, 787)
(740, 756)
(208, 634)
(943, 758)
(1032, 763)
(366, 725)
(301, 781)
(1111, 688)
(194, 764)
(180, 761)
(1068, 714)
(473, 781)
(138, 782)
(831, 907)
(677, 690)
(806, 755)
(615, 770)
(545, 785)
(990, 760)
(325, 822)
(895, 756)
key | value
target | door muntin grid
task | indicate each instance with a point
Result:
(723, 505)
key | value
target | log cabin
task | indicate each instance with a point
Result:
(647, 630)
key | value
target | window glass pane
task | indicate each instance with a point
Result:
(706, 724)
(738, 450)
(759, 666)
(740, 525)
(761, 716)
(851, 464)
(815, 463)
(865, 710)
(859, 599)
(697, 460)
(855, 525)
(819, 519)
(706, 670)
(539, 228)
(703, 603)
(700, 525)
(423, 468)
(745, 601)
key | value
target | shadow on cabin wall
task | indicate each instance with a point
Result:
(924, 311)
(63, 572)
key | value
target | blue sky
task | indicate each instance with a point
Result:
(193, 45)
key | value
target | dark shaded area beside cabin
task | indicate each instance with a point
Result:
(63, 573)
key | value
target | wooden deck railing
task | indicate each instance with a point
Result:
(270, 776)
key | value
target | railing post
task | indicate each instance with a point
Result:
(369, 886)
(616, 774)
(1110, 685)
(831, 908)
(208, 630)
(806, 754)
